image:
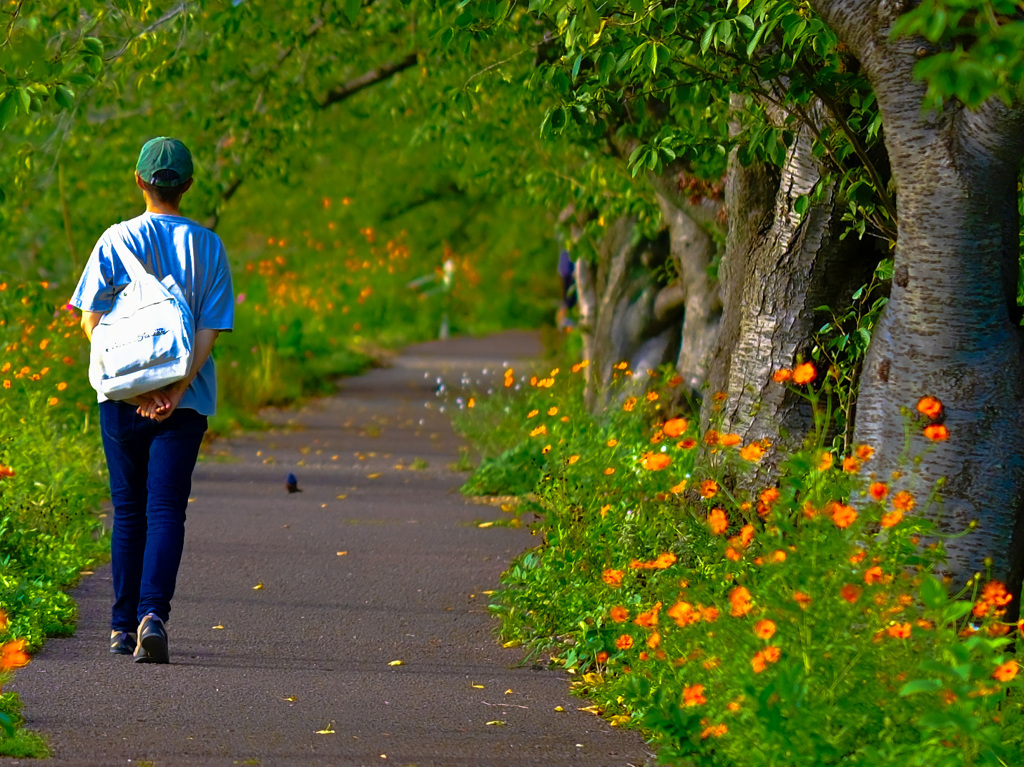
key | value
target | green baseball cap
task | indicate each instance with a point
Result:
(164, 161)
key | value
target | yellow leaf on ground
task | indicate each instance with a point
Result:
(257, 587)
(497, 722)
(396, 663)
(513, 643)
(477, 686)
(373, 476)
(508, 691)
(592, 710)
(342, 553)
(218, 626)
(342, 497)
(559, 709)
(291, 699)
(485, 524)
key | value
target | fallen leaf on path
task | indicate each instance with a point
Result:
(86, 572)
(592, 710)
(615, 721)
(257, 587)
(488, 593)
(342, 553)
(373, 476)
(559, 709)
(290, 699)
(334, 458)
(477, 686)
(342, 497)
(513, 643)
(218, 626)
(508, 691)
(485, 524)
(323, 505)
(328, 730)
(497, 722)
(396, 663)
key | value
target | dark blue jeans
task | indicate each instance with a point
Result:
(150, 465)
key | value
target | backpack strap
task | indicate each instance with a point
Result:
(131, 262)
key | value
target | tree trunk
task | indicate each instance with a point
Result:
(778, 266)
(627, 313)
(947, 330)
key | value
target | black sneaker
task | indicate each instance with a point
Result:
(152, 647)
(123, 642)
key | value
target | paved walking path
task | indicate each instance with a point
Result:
(291, 608)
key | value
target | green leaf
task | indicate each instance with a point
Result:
(801, 204)
(8, 108)
(351, 9)
(64, 96)
(705, 39)
(920, 685)
(956, 611)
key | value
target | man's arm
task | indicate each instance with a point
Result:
(89, 322)
(159, 404)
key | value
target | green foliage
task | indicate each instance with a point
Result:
(740, 621)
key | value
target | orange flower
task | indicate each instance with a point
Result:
(612, 577)
(652, 396)
(708, 488)
(3, 621)
(655, 461)
(892, 518)
(728, 440)
(718, 521)
(687, 444)
(711, 437)
(903, 500)
(781, 375)
(624, 642)
(858, 557)
(714, 731)
(873, 575)
(629, 404)
(573, 459)
(804, 373)
(899, 630)
(825, 461)
(764, 629)
(683, 614)
(732, 554)
(13, 655)
(693, 695)
(752, 452)
(663, 561)
(6, 471)
(648, 619)
(864, 452)
(936, 432)
(772, 654)
(532, 414)
(675, 427)
(708, 614)
(930, 407)
(850, 593)
(654, 640)
(739, 598)
(677, 489)
(619, 614)
(612, 442)
(609, 471)
(851, 465)
(766, 499)
(802, 599)
(1006, 671)
(601, 657)
(878, 490)
(542, 429)
(843, 515)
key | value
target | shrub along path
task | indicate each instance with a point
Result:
(291, 608)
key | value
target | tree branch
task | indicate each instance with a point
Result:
(367, 79)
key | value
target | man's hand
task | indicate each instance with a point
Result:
(159, 404)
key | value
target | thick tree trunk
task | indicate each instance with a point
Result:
(777, 268)
(947, 330)
(627, 315)
(693, 251)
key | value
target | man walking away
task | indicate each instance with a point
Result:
(152, 441)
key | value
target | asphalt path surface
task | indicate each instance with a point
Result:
(293, 610)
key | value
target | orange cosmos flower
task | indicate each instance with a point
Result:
(677, 489)
(858, 557)
(1006, 671)
(892, 518)
(552, 411)
(573, 459)
(655, 461)
(804, 373)
(878, 490)
(729, 440)
(764, 629)
(654, 640)
(752, 452)
(612, 442)
(739, 598)
(851, 465)
(732, 554)
(6, 471)
(936, 432)
(772, 654)
(930, 407)
(714, 731)
(693, 695)
(873, 575)
(708, 488)
(850, 592)
(629, 404)
(825, 461)
(648, 619)
(663, 561)
(899, 630)
(903, 500)
(601, 657)
(802, 599)
(711, 437)
(782, 375)
(609, 471)
(652, 396)
(542, 429)
(612, 577)
(675, 427)
(532, 414)
(13, 655)
(766, 500)
(708, 614)
(52, 401)
(718, 521)
(619, 614)
(683, 614)
(843, 515)
(864, 452)
(3, 621)
(624, 642)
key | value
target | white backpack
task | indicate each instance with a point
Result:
(145, 341)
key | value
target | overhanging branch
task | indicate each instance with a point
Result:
(367, 79)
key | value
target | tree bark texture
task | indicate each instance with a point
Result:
(778, 266)
(693, 251)
(627, 313)
(947, 330)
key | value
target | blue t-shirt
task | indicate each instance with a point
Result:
(168, 245)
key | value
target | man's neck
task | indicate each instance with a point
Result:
(155, 206)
